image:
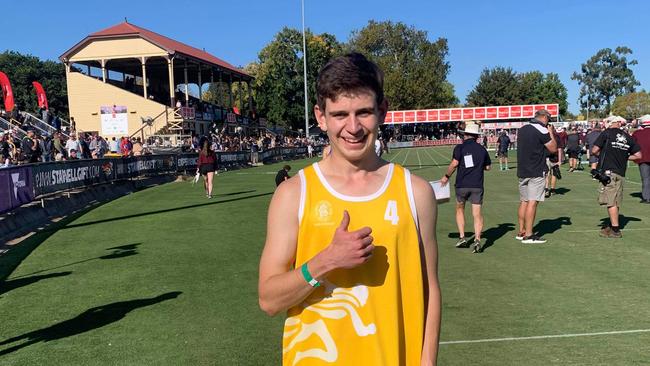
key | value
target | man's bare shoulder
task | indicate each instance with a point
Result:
(288, 192)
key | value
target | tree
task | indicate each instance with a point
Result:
(632, 106)
(497, 86)
(279, 88)
(22, 70)
(503, 86)
(415, 69)
(605, 76)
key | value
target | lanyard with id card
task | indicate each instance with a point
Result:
(469, 161)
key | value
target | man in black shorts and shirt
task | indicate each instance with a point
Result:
(590, 140)
(472, 160)
(614, 147)
(553, 165)
(573, 149)
(283, 174)
(503, 144)
(533, 140)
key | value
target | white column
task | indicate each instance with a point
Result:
(104, 70)
(172, 87)
(187, 94)
(144, 77)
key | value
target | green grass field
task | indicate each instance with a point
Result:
(166, 277)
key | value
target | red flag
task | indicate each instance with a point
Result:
(40, 94)
(7, 93)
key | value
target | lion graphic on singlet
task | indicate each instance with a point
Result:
(338, 304)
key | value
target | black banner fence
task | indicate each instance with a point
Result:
(19, 185)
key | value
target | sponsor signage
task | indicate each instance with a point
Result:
(477, 113)
(114, 120)
(15, 187)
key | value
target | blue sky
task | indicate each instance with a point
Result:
(550, 36)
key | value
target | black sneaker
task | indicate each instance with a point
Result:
(462, 243)
(547, 193)
(477, 247)
(533, 239)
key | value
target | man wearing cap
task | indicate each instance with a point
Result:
(472, 160)
(614, 147)
(642, 137)
(534, 141)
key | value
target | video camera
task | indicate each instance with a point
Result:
(601, 176)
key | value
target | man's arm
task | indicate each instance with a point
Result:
(427, 216)
(450, 170)
(635, 157)
(281, 287)
(551, 145)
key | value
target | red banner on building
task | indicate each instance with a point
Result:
(478, 113)
(40, 95)
(7, 93)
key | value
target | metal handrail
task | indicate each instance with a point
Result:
(40, 124)
(9, 127)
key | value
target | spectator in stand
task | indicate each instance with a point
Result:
(137, 147)
(85, 149)
(125, 147)
(72, 144)
(5, 151)
(642, 137)
(207, 165)
(72, 155)
(31, 148)
(283, 175)
(47, 147)
(114, 146)
(73, 124)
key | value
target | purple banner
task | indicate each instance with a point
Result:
(16, 187)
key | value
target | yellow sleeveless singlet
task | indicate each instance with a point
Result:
(372, 314)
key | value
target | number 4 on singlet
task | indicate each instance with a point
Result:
(391, 212)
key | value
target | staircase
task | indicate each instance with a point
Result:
(8, 126)
(41, 125)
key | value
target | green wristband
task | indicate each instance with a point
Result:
(307, 276)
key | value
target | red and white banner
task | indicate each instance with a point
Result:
(475, 113)
(7, 93)
(40, 95)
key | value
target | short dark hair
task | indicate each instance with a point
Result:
(286, 167)
(352, 72)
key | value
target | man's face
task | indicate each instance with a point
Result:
(352, 123)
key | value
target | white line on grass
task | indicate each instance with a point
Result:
(548, 336)
(596, 230)
(633, 182)
(419, 161)
(434, 160)
(396, 155)
(436, 151)
(406, 156)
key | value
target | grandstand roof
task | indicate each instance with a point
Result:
(172, 46)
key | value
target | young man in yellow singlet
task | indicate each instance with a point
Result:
(351, 251)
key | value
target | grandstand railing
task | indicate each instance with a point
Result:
(37, 180)
(41, 125)
(7, 126)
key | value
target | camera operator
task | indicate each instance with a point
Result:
(614, 148)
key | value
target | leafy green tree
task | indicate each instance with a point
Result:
(22, 70)
(278, 87)
(497, 86)
(605, 76)
(503, 86)
(415, 69)
(632, 105)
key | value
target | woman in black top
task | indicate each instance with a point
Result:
(207, 165)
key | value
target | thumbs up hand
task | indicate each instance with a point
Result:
(349, 249)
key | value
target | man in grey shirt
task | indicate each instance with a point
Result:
(590, 139)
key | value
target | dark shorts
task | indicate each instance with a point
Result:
(206, 168)
(502, 153)
(593, 159)
(473, 195)
(573, 154)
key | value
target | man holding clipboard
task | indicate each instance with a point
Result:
(471, 160)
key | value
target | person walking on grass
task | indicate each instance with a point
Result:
(353, 298)
(207, 165)
(503, 144)
(471, 160)
(534, 141)
(642, 137)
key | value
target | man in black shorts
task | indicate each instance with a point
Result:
(573, 149)
(472, 160)
(503, 144)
